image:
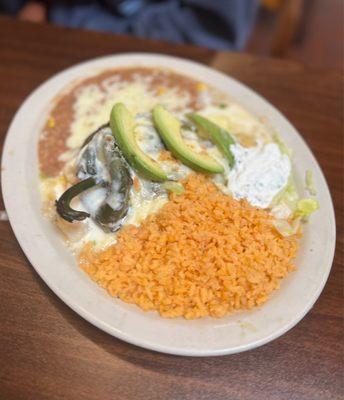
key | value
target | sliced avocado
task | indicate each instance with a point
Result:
(169, 130)
(220, 136)
(122, 125)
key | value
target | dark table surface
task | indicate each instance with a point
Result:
(49, 352)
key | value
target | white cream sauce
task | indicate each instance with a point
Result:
(148, 200)
(259, 173)
(93, 198)
(146, 136)
(93, 104)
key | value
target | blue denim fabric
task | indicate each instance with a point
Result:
(217, 24)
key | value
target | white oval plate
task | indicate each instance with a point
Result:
(57, 267)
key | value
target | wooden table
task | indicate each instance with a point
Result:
(48, 352)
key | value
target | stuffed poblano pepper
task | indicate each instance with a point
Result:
(104, 186)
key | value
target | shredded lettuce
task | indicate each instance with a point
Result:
(281, 211)
(287, 196)
(306, 207)
(288, 199)
(174, 187)
(282, 146)
(310, 183)
(300, 209)
(286, 228)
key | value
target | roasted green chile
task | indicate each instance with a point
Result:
(102, 168)
(63, 203)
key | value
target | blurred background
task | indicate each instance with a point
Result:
(310, 31)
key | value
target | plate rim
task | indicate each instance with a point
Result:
(89, 316)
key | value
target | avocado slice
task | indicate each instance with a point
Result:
(122, 124)
(169, 129)
(220, 136)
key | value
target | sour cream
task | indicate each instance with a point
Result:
(259, 173)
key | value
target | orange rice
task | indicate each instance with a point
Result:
(202, 254)
(165, 155)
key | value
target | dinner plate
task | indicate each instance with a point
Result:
(57, 267)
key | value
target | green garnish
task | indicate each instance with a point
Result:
(220, 136)
(174, 187)
(282, 146)
(286, 228)
(122, 124)
(310, 183)
(306, 207)
(169, 129)
(288, 195)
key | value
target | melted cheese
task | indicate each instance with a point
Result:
(140, 207)
(239, 122)
(93, 105)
